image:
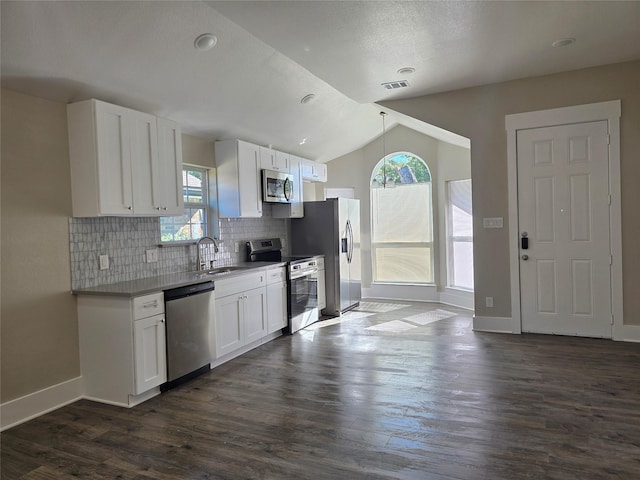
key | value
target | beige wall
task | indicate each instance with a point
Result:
(198, 151)
(478, 114)
(39, 323)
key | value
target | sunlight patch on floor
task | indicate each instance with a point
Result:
(392, 326)
(379, 307)
(424, 318)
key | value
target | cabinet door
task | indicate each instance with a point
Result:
(282, 162)
(268, 158)
(255, 314)
(320, 172)
(249, 184)
(297, 205)
(150, 361)
(229, 326)
(276, 307)
(144, 162)
(114, 159)
(168, 196)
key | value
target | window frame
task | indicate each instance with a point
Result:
(374, 244)
(205, 206)
(451, 239)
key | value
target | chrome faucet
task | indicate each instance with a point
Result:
(200, 264)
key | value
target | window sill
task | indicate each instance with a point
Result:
(405, 284)
(460, 289)
(177, 244)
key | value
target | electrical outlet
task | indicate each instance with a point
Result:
(152, 255)
(104, 262)
(492, 222)
(489, 301)
(237, 247)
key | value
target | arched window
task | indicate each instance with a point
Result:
(402, 220)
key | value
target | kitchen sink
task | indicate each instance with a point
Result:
(218, 271)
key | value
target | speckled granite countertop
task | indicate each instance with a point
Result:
(143, 286)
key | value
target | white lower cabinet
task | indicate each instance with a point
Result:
(241, 312)
(122, 347)
(276, 299)
(150, 360)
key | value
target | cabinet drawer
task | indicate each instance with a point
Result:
(148, 305)
(239, 283)
(276, 275)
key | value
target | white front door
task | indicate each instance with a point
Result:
(563, 208)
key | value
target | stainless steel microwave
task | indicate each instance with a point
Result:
(277, 187)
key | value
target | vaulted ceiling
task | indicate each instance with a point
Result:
(270, 54)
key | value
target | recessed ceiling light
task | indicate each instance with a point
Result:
(303, 141)
(563, 42)
(308, 98)
(206, 41)
(406, 70)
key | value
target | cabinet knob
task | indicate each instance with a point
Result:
(162, 321)
(129, 207)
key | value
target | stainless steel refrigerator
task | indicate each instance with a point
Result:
(332, 227)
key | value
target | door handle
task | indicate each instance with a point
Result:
(525, 257)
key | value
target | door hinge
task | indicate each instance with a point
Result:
(612, 319)
(609, 199)
(608, 139)
(610, 259)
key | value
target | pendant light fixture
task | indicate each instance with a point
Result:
(386, 181)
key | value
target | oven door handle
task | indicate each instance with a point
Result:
(303, 273)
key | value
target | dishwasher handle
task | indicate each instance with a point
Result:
(187, 291)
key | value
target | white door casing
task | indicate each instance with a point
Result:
(609, 111)
(563, 212)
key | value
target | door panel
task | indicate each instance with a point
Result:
(563, 192)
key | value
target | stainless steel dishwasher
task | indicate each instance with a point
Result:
(189, 313)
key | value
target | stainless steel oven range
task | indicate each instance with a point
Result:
(302, 280)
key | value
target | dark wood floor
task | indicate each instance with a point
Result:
(342, 402)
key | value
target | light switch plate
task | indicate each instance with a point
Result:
(152, 255)
(492, 222)
(104, 262)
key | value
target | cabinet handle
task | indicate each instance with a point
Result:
(153, 304)
(164, 208)
(162, 320)
(129, 207)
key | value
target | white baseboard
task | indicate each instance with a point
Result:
(626, 333)
(390, 291)
(458, 298)
(420, 293)
(20, 410)
(495, 325)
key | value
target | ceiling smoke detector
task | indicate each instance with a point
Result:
(205, 42)
(406, 70)
(394, 85)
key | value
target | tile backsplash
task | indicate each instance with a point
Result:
(126, 240)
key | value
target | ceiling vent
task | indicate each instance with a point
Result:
(394, 85)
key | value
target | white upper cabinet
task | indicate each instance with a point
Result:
(119, 163)
(274, 160)
(239, 188)
(313, 171)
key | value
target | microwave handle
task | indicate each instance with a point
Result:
(284, 187)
